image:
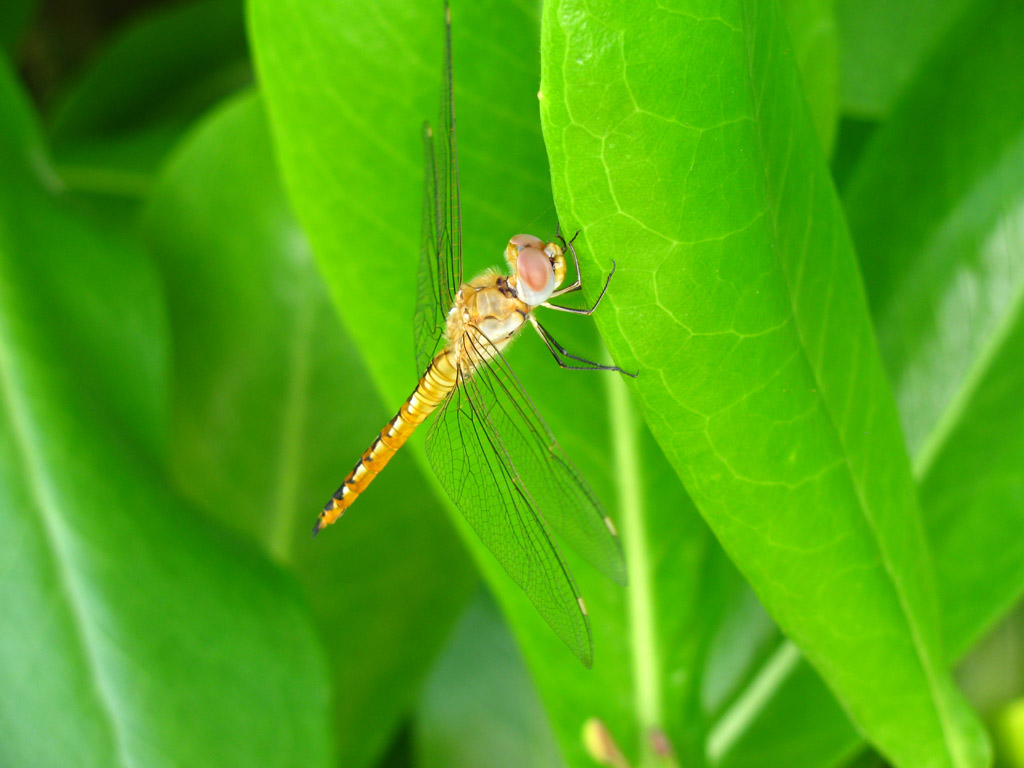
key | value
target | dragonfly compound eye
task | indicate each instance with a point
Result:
(526, 241)
(535, 276)
(557, 256)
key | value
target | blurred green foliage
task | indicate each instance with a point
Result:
(209, 236)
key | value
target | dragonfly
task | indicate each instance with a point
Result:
(489, 447)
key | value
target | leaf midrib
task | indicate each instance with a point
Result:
(45, 495)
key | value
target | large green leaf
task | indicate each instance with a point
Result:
(14, 18)
(168, 66)
(935, 208)
(108, 341)
(945, 275)
(347, 89)
(135, 633)
(884, 43)
(112, 128)
(264, 432)
(741, 305)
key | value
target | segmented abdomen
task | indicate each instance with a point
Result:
(431, 390)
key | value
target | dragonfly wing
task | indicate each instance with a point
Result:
(440, 270)
(476, 469)
(557, 490)
(431, 297)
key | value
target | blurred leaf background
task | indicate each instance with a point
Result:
(209, 223)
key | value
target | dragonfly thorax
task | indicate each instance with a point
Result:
(486, 306)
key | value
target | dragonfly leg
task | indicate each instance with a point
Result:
(556, 349)
(567, 245)
(575, 287)
(560, 236)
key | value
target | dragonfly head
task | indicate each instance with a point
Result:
(538, 268)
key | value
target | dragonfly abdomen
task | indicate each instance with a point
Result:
(432, 389)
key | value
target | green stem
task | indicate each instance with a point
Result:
(646, 661)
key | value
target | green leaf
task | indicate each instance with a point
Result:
(815, 37)
(945, 271)
(263, 433)
(347, 90)
(746, 637)
(741, 305)
(122, 337)
(147, 75)
(786, 716)
(135, 633)
(15, 16)
(113, 127)
(940, 246)
(460, 723)
(883, 44)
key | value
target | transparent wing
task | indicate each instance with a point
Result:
(558, 492)
(440, 270)
(475, 468)
(429, 320)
